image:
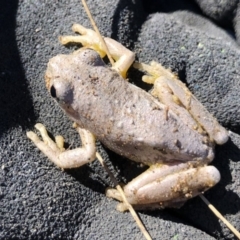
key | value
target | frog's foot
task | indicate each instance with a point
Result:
(177, 97)
(56, 152)
(166, 186)
(154, 70)
(89, 38)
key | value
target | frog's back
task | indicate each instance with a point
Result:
(133, 123)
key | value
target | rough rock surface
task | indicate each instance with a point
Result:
(38, 200)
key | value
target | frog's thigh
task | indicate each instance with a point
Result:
(162, 184)
(185, 98)
(61, 157)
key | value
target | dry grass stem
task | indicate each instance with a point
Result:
(220, 216)
(97, 31)
(113, 179)
(129, 206)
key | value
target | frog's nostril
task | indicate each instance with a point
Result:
(53, 92)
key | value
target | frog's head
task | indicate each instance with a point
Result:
(67, 66)
(57, 81)
(59, 84)
(63, 71)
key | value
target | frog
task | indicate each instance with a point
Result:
(166, 128)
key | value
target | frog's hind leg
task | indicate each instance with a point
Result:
(173, 93)
(123, 57)
(166, 186)
(56, 152)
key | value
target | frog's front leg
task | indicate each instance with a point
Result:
(58, 155)
(166, 186)
(89, 38)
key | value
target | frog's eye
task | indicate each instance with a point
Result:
(62, 91)
(53, 91)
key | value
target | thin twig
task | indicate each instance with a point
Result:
(118, 187)
(97, 31)
(129, 206)
(220, 216)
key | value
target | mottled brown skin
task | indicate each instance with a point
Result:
(125, 118)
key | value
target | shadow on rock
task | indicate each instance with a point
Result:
(15, 100)
(132, 13)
